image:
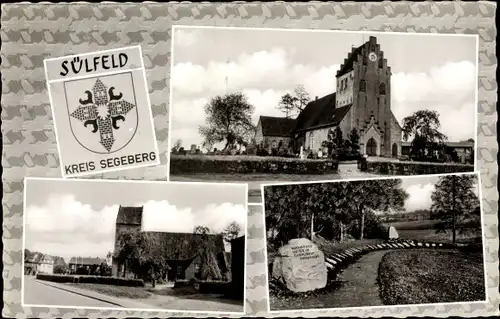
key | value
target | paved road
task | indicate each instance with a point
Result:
(37, 293)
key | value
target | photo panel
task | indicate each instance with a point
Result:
(134, 245)
(363, 244)
(258, 105)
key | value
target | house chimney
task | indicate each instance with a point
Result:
(316, 98)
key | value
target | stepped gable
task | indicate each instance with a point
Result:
(129, 215)
(351, 58)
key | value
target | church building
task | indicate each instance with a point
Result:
(362, 100)
(180, 249)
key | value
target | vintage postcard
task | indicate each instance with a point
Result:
(260, 105)
(102, 113)
(132, 245)
(375, 243)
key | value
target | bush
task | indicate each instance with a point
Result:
(116, 281)
(249, 164)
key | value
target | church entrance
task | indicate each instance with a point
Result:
(394, 150)
(371, 147)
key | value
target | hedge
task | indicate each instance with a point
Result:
(116, 281)
(180, 164)
(415, 168)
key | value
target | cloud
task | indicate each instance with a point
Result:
(263, 76)
(65, 227)
(186, 38)
(419, 197)
(448, 89)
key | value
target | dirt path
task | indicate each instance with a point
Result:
(358, 284)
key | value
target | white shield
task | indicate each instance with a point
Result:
(102, 111)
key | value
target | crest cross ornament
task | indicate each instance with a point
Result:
(102, 109)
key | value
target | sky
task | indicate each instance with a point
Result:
(71, 217)
(435, 72)
(420, 190)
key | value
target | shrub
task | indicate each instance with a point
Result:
(116, 281)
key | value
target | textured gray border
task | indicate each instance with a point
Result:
(32, 32)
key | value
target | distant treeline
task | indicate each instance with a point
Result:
(419, 214)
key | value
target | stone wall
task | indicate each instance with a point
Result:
(182, 164)
(415, 168)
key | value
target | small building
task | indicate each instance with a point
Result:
(38, 263)
(89, 264)
(464, 150)
(274, 133)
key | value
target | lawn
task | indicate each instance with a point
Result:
(419, 277)
(424, 230)
(116, 291)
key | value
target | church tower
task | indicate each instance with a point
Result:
(364, 82)
(128, 219)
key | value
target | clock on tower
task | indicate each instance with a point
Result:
(372, 56)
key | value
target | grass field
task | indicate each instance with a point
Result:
(419, 277)
(424, 230)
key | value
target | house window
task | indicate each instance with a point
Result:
(362, 86)
(382, 88)
(180, 270)
(311, 140)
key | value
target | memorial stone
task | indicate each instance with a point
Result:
(393, 234)
(300, 265)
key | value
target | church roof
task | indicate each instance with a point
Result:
(277, 126)
(185, 246)
(129, 215)
(320, 113)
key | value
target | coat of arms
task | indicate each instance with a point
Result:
(102, 121)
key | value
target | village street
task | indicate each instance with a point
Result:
(36, 292)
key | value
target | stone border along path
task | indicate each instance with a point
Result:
(336, 262)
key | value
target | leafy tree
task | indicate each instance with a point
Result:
(302, 97)
(338, 140)
(305, 210)
(353, 138)
(177, 146)
(423, 126)
(209, 267)
(453, 200)
(229, 120)
(287, 104)
(231, 231)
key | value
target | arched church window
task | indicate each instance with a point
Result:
(362, 86)
(365, 60)
(382, 88)
(380, 63)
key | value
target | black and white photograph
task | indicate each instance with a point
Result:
(158, 246)
(414, 240)
(274, 105)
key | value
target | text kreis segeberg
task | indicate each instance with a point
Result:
(91, 64)
(110, 163)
